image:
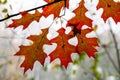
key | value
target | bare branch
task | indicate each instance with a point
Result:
(116, 46)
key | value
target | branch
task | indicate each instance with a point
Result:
(109, 56)
(9, 16)
(116, 46)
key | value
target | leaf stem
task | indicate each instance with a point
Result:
(9, 16)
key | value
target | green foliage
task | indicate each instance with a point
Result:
(95, 67)
(3, 1)
(4, 10)
(81, 58)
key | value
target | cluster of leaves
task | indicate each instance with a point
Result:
(34, 52)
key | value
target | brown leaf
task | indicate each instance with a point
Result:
(34, 52)
(26, 19)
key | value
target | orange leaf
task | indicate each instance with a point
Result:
(80, 17)
(86, 44)
(34, 52)
(64, 49)
(54, 8)
(111, 9)
(26, 19)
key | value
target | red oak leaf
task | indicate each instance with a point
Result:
(80, 17)
(86, 44)
(111, 9)
(64, 49)
(54, 8)
(26, 19)
(34, 52)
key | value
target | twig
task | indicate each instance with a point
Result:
(9, 16)
(109, 57)
(64, 9)
(116, 46)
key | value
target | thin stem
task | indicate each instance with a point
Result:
(109, 57)
(64, 8)
(9, 16)
(116, 46)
